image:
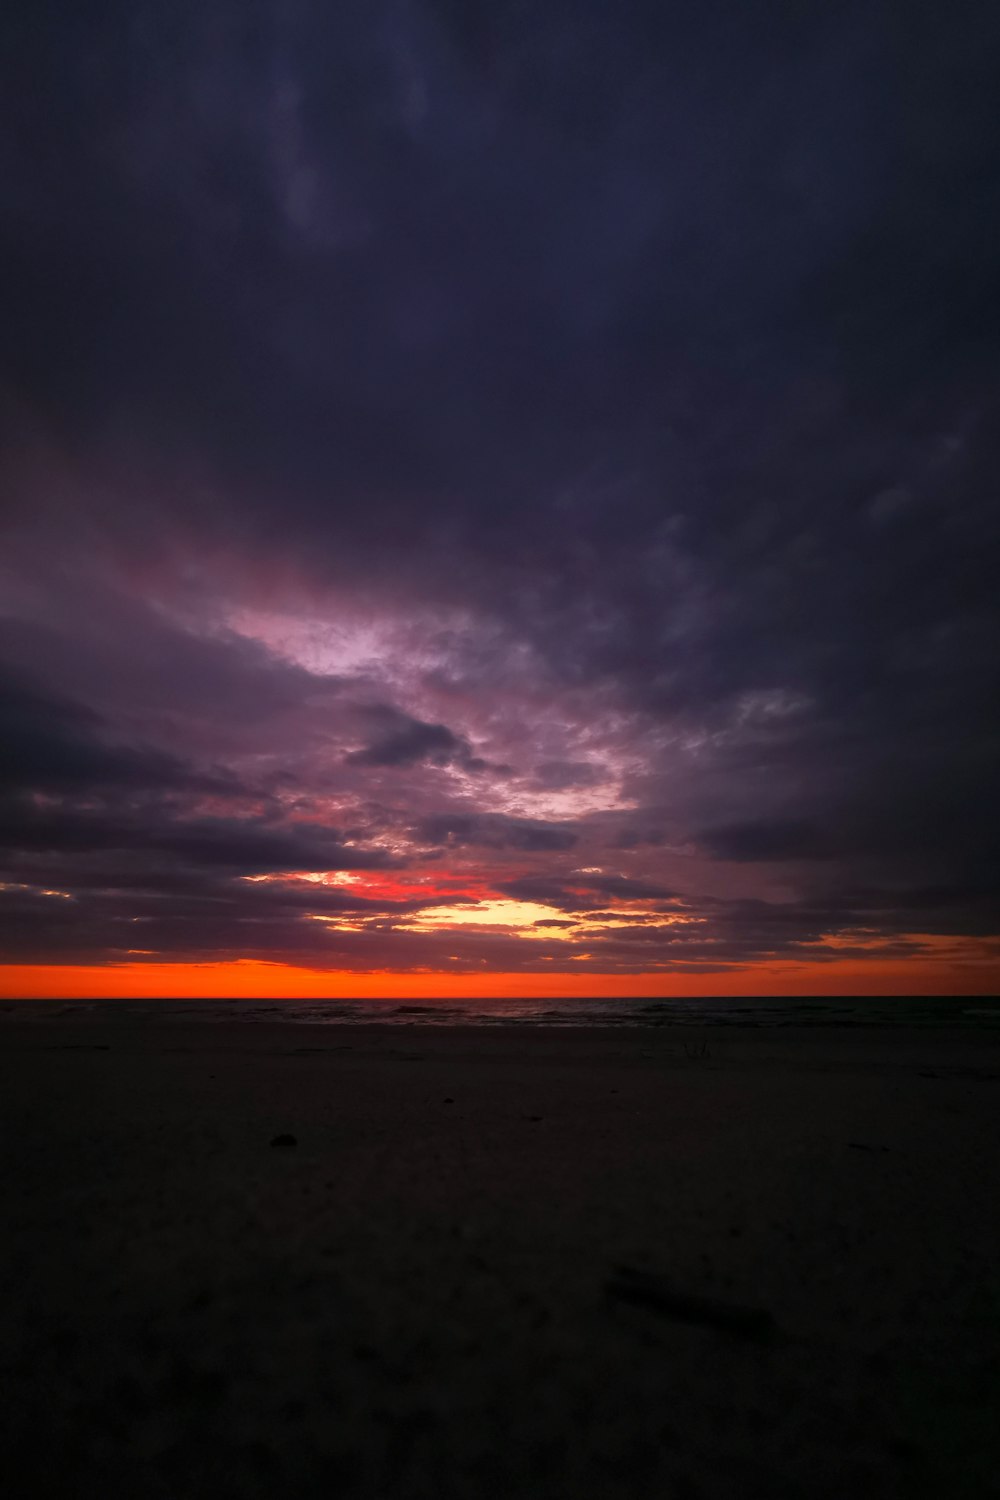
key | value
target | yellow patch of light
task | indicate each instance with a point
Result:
(521, 915)
(20, 885)
(336, 924)
(637, 919)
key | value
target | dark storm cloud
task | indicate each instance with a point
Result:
(637, 838)
(766, 841)
(492, 831)
(265, 170)
(248, 845)
(117, 649)
(53, 744)
(584, 892)
(197, 909)
(659, 341)
(923, 806)
(405, 741)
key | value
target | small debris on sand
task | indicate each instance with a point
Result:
(649, 1289)
(78, 1047)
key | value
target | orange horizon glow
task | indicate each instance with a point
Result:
(240, 979)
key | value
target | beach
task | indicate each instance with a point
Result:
(272, 1259)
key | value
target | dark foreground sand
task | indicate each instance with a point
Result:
(420, 1298)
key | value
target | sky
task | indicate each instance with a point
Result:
(499, 498)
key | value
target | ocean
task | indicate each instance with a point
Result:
(974, 1013)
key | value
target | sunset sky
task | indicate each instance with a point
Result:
(499, 499)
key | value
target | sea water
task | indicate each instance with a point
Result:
(976, 1012)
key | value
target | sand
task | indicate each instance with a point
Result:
(497, 1262)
